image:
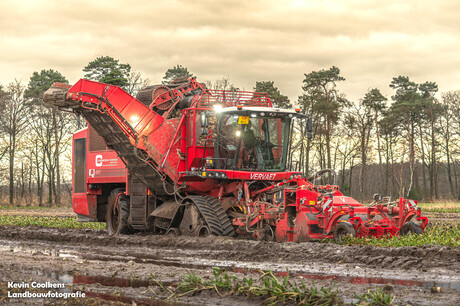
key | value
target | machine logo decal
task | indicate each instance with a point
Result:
(262, 176)
(98, 160)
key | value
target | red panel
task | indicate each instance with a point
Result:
(91, 199)
(116, 96)
(309, 198)
(203, 186)
(138, 115)
(343, 200)
(105, 165)
(157, 147)
(134, 114)
(79, 203)
(150, 120)
(195, 154)
(299, 233)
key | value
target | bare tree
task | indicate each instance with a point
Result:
(451, 105)
(13, 121)
(362, 123)
(136, 82)
(223, 83)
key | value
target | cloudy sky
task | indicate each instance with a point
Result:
(247, 41)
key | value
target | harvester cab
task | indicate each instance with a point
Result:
(251, 138)
(201, 162)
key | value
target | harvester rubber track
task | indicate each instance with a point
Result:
(226, 224)
(214, 215)
(114, 138)
(138, 204)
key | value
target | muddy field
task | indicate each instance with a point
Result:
(140, 268)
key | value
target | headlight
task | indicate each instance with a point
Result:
(214, 174)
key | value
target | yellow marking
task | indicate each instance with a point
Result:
(203, 174)
(312, 203)
(243, 119)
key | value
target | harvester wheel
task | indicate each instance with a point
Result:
(173, 232)
(204, 231)
(117, 214)
(268, 234)
(342, 230)
(411, 228)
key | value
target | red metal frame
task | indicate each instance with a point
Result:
(324, 215)
(229, 98)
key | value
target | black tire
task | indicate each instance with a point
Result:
(268, 233)
(117, 219)
(342, 230)
(410, 228)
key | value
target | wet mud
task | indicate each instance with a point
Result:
(126, 269)
(417, 258)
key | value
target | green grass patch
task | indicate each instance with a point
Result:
(451, 210)
(273, 290)
(440, 234)
(452, 207)
(268, 286)
(68, 222)
(375, 297)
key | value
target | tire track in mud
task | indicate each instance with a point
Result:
(194, 261)
(94, 253)
(225, 248)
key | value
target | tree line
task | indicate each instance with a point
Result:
(407, 144)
